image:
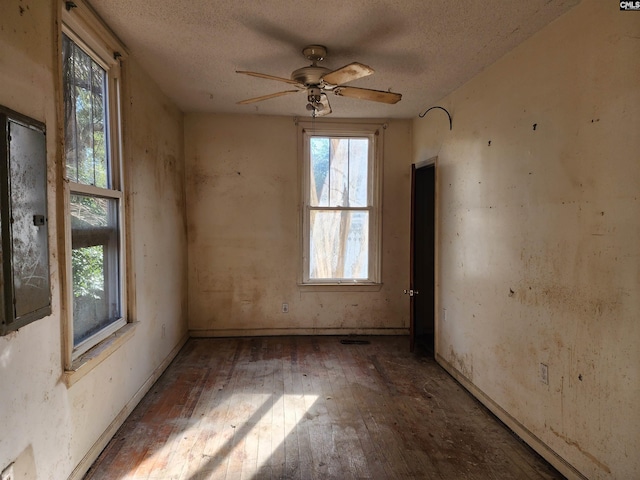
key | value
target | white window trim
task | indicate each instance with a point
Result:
(85, 29)
(374, 132)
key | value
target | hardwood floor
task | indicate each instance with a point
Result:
(312, 408)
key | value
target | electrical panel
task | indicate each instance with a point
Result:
(24, 256)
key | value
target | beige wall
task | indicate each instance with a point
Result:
(539, 251)
(244, 245)
(47, 428)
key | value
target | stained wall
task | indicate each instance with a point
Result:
(48, 429)
(243, 210)
(538, 252)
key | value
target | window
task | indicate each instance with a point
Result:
(341, 220)
(93, 174)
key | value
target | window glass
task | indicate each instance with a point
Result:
(319, 181)
(358, 172)
(94, 259)
(339, 169)
(339, 246)
(85, 104)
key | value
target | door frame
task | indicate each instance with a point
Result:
(433, 161)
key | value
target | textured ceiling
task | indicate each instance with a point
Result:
(422, 49)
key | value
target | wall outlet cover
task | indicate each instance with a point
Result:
(544, 373)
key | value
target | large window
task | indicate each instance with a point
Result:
(341, 212)
(94, 194)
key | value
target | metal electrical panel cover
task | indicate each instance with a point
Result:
(25, 249)
(28, 181)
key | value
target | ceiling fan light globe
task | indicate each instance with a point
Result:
(313, 95)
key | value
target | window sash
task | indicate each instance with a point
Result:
(116, 263)
(344, 233)
(343, 185)
(95, 271)
(87, 150)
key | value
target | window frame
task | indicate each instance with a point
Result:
(82, 26)
(374, 133)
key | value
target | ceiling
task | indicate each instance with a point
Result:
(423, 49)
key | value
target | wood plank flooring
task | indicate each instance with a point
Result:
(312, 408)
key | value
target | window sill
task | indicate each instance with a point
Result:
(340, 287)
(94, 357)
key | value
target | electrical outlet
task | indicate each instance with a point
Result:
(7, 473)
(164, 330)
(444, 314)
(285, 308)
(544, 373)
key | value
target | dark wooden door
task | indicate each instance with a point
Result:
(412, 247)
(422, 269)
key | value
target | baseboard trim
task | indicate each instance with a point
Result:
(85, 464)
(564, 467)
(276, 332)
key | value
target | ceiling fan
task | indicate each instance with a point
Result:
(317, 81)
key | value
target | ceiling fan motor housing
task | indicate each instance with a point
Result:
(309, 76)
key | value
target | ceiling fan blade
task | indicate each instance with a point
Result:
(326, 108)
(267, 97)
(367, 94)
(348, 73)
(269, 77)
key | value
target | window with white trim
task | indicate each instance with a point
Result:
(93, 177)
(341, 211)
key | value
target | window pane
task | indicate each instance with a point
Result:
(339, 245)
(86, 135)
(339, 173)
(319, 182)
(358, 171)
(95, 264)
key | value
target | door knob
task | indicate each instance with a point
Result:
(411, 292)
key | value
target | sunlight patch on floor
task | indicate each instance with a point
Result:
(248, 429)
